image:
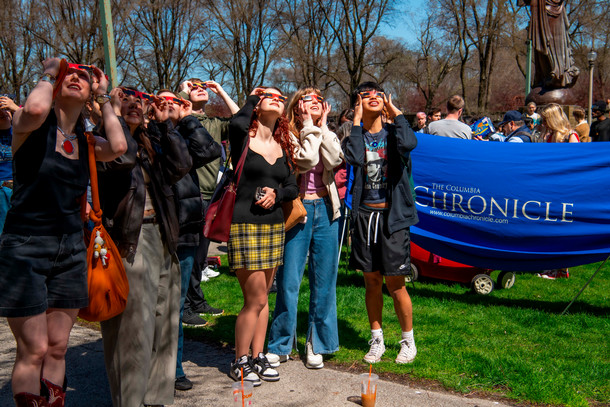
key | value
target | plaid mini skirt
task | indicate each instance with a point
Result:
(256, 247)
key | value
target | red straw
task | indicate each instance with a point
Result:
(242, 388)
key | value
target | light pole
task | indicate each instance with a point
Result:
(591, 57)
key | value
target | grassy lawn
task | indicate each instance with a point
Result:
(513, 343)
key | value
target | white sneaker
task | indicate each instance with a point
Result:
(210, 273)
(377, 350)
(407, 352)
(204, 278)
(275, 360)
(314, 360)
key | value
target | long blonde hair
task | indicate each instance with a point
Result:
(294, 120)
(556, 121)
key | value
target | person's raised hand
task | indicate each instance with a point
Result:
(326, 107)
(392, 110)
(116, 95)
(100, 83)
(303, 111)
(51, 66)
(186, 87)
(186, 109)
(7, 103)
(257, 91)
(160, 110)
(358, 111)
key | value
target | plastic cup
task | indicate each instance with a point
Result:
(242, 396)
(368, 389)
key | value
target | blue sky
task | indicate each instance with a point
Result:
(408, 11)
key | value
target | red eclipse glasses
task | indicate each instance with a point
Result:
(200, 85)
(373, 94)
(309, 98)
(137, 94)
(172, 99)
(274, 96)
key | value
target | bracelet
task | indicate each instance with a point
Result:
(47, 77)
(102, 99)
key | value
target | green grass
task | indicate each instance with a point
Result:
(512, 343)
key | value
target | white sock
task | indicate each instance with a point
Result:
(377, 333)
(408, 336)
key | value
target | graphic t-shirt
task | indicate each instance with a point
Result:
(6, 156)
(375, 183)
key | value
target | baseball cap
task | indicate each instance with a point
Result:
(510, 116)
(599, 105)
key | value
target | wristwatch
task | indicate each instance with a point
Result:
(101, 99)
(47, 77)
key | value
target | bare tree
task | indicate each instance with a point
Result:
(244, 41)
(166, 42)
(16, 46)
(309, 44)
(435, 58)
(354, 23)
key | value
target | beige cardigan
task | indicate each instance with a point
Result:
(315, 143)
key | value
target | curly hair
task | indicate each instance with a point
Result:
(281, 134)
(293, 118)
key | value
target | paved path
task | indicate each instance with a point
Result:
(207, 366)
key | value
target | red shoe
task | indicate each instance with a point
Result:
(30, 400)
(57, 394)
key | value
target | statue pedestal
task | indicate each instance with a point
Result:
(542, 96)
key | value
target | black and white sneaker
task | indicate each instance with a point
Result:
(245, 363)
(193, 320)
(263, 368)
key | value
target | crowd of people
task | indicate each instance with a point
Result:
(160, 158)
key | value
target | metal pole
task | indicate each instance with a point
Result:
(528, 69)
(585, 286)
(590, 90)
(108, 36)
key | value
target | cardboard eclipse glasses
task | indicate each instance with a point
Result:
(309, 98)
(372, 94)
(274, 96)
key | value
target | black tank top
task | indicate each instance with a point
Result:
(47, 185)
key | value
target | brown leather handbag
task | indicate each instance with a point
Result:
(107, 280)
(294, 213)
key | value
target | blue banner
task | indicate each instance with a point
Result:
(512, 206)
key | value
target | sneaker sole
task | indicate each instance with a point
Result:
(195, 325)
(214, 315)
(404, 362)
(269, 379)
(308, 366)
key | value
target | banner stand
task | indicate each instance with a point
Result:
(585, 286)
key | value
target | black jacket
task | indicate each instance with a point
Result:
(203, 150)
(401, 141)
(123, 191)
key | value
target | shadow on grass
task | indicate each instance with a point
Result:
(555, 307)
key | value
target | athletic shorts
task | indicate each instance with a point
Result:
(41, 272)
(375, 249)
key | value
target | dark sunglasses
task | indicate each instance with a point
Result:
(309, 98)
(365, 95)
(274, 96)
(173, 99)
(137, 94)
(200, 85)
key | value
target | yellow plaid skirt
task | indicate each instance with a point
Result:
(256, 247)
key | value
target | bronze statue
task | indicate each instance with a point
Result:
(554, 65)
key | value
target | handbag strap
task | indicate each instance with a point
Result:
(96, 212)
(242, 159)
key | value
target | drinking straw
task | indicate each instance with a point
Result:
(242, 388)
(368, 391)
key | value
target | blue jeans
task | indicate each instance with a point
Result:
(318, 237)
(186, 255)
